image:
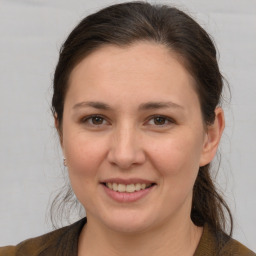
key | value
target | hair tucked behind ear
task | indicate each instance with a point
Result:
(126, 23)
(208, 203)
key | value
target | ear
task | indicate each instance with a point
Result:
(212, 137)
(58, 128)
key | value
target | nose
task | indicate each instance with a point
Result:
(125, 148)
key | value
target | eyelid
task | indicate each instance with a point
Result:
(86, 118)
(169, 119)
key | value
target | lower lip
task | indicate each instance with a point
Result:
(124, 197)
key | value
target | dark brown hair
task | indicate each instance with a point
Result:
(126, 23)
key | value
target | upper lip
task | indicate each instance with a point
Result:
(127, 181)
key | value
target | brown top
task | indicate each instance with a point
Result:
(64, 242)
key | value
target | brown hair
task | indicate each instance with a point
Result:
(126, 23)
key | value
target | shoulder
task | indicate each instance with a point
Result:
(8, 251)
(220, 244)
(33, 246)
(49, 244)
(233, 247)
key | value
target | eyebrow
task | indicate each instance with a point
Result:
(93, 104)
(159, 105)
(143, 106)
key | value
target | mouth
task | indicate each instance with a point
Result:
(128, 188)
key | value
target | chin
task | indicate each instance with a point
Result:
(129, 223)
(128, 227)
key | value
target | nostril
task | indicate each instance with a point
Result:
(125, 155)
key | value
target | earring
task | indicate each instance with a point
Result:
(64, 162)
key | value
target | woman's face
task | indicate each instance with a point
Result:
(133, 137)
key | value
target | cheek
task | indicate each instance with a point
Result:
(177, 159)
(177, 162)
(84, 156)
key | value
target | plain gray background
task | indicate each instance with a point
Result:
(31, 33)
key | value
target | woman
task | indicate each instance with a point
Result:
(137, 108)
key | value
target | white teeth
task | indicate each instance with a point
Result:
(130, 188)
(114, 186)
(121, 188)
(137, 187)
(109, 185)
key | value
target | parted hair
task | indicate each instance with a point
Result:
(127, 23)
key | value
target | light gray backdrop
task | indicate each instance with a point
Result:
(31, 32)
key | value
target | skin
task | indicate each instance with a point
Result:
(128, 141)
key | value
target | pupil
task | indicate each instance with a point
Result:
(159, 120)
(97, 120)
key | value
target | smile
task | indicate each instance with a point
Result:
(128, 188)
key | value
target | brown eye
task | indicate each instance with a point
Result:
(97, 120)
(160, 120)
(94, 120)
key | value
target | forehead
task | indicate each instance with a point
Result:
(142, 67)
(145, 55)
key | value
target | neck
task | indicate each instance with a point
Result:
(172, 238)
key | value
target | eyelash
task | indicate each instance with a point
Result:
(164, 118)
(88, 118)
